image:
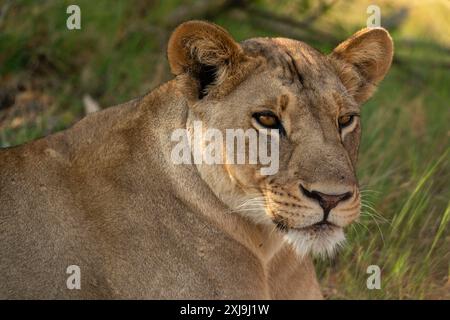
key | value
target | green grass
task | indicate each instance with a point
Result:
(404, 156)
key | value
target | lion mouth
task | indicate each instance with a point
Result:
(318, 227)
(322, 226)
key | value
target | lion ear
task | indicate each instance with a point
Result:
(204, 51)
(363, 60)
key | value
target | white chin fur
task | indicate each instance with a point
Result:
(323, 243)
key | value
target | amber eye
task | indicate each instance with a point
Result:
(345, 121)
(267, 119)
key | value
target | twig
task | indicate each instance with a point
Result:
(321, 9)
(202, 9)
(286, 23)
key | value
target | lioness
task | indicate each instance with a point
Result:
(106, 196)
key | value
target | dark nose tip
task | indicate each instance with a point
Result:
(326, 201)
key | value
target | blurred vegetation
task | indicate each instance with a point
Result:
(119, 53)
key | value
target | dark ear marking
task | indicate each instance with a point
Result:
(206, 76)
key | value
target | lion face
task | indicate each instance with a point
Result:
(312, 104)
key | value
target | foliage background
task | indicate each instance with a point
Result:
(50, 76)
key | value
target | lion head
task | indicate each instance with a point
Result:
(311, 101)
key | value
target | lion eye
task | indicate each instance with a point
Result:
(267, 119)
(345, 121)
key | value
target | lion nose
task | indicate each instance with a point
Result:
(326, 201)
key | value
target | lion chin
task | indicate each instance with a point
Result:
(321, 241)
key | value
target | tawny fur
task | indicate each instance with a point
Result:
(105, 195)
